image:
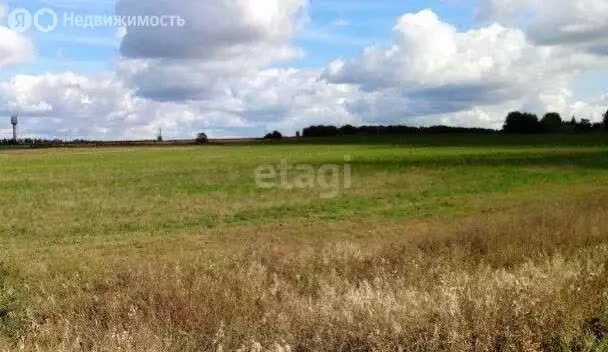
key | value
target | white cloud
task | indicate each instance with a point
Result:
(220, 76)
(103, 107)
(429, 53)
(222, 39)
(433, 69)
(592, 109)
(14, 47)
(290, 99)
(53, 103)
(214, 29)
(582, 24)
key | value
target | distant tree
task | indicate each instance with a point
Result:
(298, 134)
(584, 126)
(518, 122)
(552, 122)
(348, 130)
(202, 138)
(570, 125)
(274, 135)
(605, 121)
(321, 131)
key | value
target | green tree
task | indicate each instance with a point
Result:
(274, 135)
(202, 138)
(584, 126)
(348, 130)
(552, 122)
(605, 121)
(518, 122)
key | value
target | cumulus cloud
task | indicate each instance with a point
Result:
(291, 99)
(219, 75)
(102, 106)
(592, 109)
(14, 47)
(578, 23)
(53, 103)
(428, 53)
(214, 29)
(433, 69)
(221, 39)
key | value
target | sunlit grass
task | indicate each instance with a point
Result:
(469, 246)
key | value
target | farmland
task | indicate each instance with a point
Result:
(433, 243)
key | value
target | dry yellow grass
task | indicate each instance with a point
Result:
(433, 249)
(524, 281)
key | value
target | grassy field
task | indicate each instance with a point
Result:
(440, 243)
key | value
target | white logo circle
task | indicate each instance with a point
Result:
(43, 13)
(20, 20)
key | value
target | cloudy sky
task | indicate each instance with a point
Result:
(244, 67)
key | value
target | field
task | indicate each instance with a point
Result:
(454, 243)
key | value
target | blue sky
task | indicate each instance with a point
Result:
(342, 29)
(78, 49)
(337, 29)
(241, 67)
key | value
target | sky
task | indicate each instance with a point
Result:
(242, 68)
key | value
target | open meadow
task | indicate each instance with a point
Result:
(438, 243)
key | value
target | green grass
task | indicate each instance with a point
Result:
(98, 213)
(107, 192)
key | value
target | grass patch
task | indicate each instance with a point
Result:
(441, 243)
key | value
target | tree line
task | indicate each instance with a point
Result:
(349, 130)
(515, 123)
(43, 143)
(31, 141)
(526, 123)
